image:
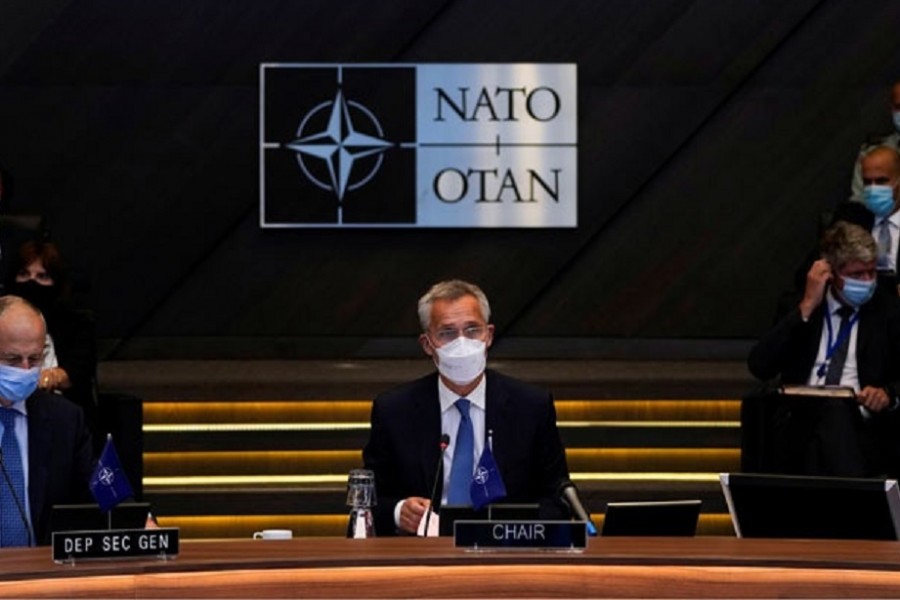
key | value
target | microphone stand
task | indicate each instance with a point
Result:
(568, 493)
(445, 441)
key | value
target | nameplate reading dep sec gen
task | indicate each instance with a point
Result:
(520, 535)
(114, 543)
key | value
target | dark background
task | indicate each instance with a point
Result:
(712, 134)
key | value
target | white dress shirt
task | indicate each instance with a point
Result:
(849, 375)
(450, 419)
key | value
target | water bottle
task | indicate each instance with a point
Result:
(361, 499)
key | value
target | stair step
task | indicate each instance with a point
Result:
(365, 378)
(656, 435)
(328, 497)
(357, 411)
(224, 437)
(321, 462)
(220, 511)
(335, 525)
(243, 526)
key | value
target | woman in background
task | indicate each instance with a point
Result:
(70, 364)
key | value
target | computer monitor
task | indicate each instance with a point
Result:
(450, 514)
(89, 517)
(788, 506)
(658, 518)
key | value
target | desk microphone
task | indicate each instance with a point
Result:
(568, 493)
(445, 441)
(15, 498)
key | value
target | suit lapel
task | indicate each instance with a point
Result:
(427, 422)
(897, 259)
(496, 418)
(864, 330)
(868, 330)
(38, 443)
(818, 320)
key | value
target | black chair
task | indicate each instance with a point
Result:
(766, 433)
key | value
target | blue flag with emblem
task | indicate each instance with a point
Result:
(109, 485)
(487, 484)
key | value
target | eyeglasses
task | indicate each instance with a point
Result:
(472, 332)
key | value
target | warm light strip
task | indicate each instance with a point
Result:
(220, 427)
(243, 480)
(342, 479)
(658, 401)
(194, 427)
(646, 476)
(325, 518)
(651, 424)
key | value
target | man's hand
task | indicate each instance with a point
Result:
(411, 513)
(816, 282)
(873, 398)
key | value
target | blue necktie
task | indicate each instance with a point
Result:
(839, 356)
(463, 458)
(12, 522)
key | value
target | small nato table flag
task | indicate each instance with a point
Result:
(487, 484)
(109, 485)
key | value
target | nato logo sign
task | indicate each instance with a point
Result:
(421, 145)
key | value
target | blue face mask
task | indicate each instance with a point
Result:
(879, 199)
(17, 384)
(857, 292)
(896, 116)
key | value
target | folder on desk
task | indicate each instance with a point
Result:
(819, 391)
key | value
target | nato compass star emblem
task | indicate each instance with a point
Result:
(106, 476)
(341, 145)
(482, 475)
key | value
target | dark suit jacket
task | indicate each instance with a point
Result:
(59, 458)
(72, 330)
(404, 444)
(788, 351)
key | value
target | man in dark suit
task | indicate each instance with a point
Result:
(842, 331)
(890, 140)
(46, 428)
(516, 420)
(878, 210)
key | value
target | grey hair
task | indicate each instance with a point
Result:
(452, 289)
(883, 149)
(845, 242)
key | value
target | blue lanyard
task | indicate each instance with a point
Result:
(831, 347)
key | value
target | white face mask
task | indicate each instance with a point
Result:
(462, 360)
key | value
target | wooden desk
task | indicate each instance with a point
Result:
(403, 567)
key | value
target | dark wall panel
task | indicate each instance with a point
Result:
(704, 247)
(711, 136)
